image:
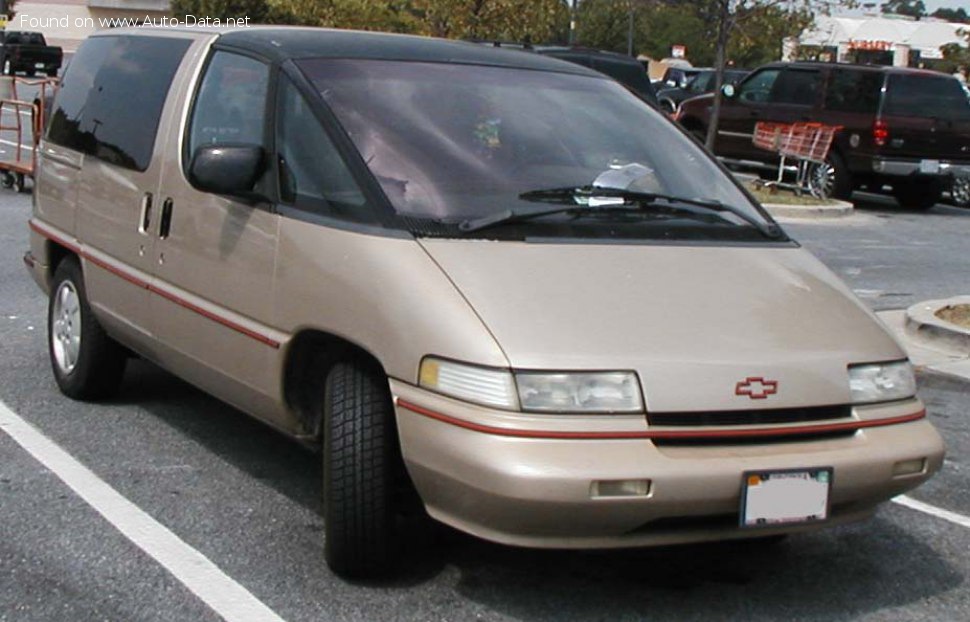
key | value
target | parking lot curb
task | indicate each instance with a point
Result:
(923, 324)
(835, 209)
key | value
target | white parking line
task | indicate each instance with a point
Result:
(218, 590)
(932, 510)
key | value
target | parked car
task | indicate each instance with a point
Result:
(493, 283)
(677, 77)
(702, 83)
(624, 69)
(907, 128)
(28, 52)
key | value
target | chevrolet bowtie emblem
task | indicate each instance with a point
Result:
(757, 388)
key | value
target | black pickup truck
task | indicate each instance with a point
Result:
(29, 53)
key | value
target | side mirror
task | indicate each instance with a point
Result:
(231, 170)
(729, 91)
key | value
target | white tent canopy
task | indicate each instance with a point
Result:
(927, 35)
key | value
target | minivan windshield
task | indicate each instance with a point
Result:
(458, 143)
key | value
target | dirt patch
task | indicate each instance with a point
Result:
(956, 314)
(782, 196)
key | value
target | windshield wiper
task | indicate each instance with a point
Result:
(644, 200)
(583, 200)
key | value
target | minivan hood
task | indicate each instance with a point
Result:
(692, 321)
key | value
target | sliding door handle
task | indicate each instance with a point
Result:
(166, 224)
(145, 217)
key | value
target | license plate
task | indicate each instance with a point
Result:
(785, 497)
(39, 65)
(929, 166)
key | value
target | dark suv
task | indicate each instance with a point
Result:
(903, 127)
(624, 69)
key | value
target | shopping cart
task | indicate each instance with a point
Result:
(21, 126)
(807, 144)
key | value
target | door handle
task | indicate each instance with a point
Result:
(145, 219)
(166, 220)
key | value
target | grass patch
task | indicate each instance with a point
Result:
(782, 196)
(955, 314)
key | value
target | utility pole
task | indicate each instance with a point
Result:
(572, 21)
(629, 34)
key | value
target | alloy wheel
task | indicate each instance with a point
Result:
(66, 333)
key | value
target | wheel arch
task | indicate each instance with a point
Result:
(54, 254)
(310, 355)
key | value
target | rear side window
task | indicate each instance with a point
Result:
(927, 96)
(110, 102)
(854, 91)
(796, 87)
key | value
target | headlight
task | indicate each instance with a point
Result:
(602, 392)
(567, 392)
(482, 385)
(881, 382)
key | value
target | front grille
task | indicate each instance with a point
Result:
(749, 417)
(753, 440)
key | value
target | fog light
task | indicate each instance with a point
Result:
(620, 488)
(909, 467)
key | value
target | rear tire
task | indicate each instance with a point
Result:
(361, 463)
(918, 195)
(87, 363)
(960, 192)
(831, 179)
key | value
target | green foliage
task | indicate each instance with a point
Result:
(513, 20)
(959, 16)
(911, 8)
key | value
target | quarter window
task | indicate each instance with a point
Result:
(312, 174)
(111, 99)
(230, 107)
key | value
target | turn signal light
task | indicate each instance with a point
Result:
(620, 488)
(909, 467)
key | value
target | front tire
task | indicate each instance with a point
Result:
(87, 363)
(360, 469)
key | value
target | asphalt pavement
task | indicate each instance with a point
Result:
(247, 499)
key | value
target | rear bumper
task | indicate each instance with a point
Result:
(905, 167)
(539, 492)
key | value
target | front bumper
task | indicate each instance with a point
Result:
(906, 167)
(534, 489)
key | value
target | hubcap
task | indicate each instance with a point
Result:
(822, 180)
(66, 327)
(961, 191)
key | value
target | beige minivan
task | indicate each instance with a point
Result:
(489, 280)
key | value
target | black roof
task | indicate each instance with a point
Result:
(284, 43)
(868, 67)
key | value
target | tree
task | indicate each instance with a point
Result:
(256, 10)
(910, 8)
(510, 20)
(958, 16)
